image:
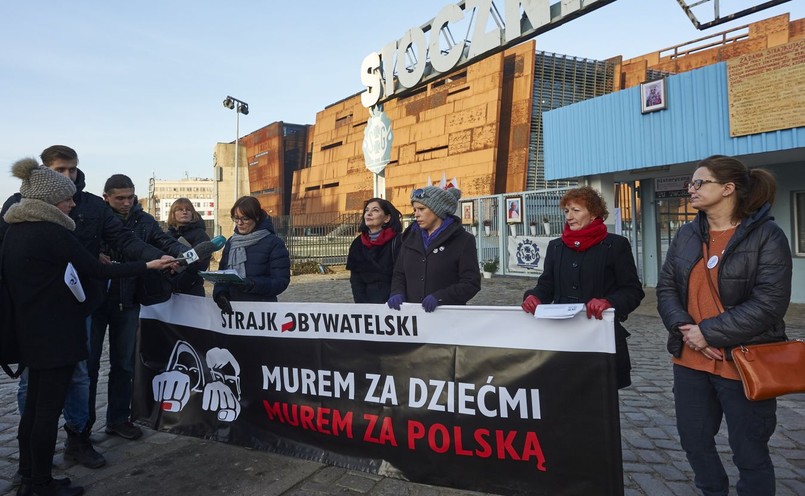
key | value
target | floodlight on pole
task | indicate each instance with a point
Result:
(241, 108)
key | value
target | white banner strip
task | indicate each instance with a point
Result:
(487, 326)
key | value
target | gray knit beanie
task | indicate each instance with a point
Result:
(41, 183)
(442, 202)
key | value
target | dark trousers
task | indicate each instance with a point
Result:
(123, 324)
(39, 424)
(701, 400)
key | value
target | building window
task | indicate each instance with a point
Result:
(799, 224)
(332, 145)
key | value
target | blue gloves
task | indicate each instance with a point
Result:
(395, 301)
(430, 303)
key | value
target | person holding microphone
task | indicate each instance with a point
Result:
(39, 250)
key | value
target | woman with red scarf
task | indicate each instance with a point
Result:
(372, 254)
(588, 265)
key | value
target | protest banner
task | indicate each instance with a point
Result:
(482, 398)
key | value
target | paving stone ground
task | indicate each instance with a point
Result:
(653, 463)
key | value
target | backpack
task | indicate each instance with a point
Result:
(9, 347)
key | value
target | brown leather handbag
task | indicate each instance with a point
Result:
(772, 369)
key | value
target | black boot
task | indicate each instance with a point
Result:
(78, 448)
(26, 488)
(54, 488)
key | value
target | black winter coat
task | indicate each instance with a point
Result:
(754, 283)
(268, 266)
(50, 322)
(606, 270)
(147, 229)
(95, 222)
(189, 282)
(448, 270)
(371, 269)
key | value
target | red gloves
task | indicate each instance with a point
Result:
(530, 304)
(596, 307)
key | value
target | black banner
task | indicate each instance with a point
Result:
(482, 398)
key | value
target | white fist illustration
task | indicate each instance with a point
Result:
(219, 397)
(171, 390)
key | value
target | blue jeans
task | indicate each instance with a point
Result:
(123, 324)
(701, 400)
(76, 406)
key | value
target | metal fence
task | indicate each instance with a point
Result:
(533, 213)
(324, 239)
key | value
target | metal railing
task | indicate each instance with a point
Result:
(498, 235)
(321, 238)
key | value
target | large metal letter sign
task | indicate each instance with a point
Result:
(416, 59)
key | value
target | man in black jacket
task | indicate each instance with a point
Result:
(95, 222)
(121, 311)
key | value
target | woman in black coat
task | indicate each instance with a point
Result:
(372, 254)
(50, 318)
(438, 264)
(257, 254)
(187, 226)
(588, 265)
(725, 282)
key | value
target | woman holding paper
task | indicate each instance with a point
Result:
(588, 265)
(372, 254)
(187, 226)
(258, 256)
(50, 321)
(726, 281)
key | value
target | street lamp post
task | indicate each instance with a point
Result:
(240, 107)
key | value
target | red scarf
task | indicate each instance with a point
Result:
(386, 235)
(586, 237)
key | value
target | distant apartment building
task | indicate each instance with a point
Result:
(198, 190)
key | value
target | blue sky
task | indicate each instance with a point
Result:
(136, 87)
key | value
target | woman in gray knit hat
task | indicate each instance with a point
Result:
(438, 263)
(50, 319)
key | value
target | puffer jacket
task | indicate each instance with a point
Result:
(268, 268)
(448, 270)
(189, 282)
(147, 229)
(754, 283)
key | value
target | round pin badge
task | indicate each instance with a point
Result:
(712, 262)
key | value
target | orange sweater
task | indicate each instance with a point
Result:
(702, 305)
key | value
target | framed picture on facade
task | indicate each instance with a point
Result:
(653, 96)
(514, 210)
(467, 213)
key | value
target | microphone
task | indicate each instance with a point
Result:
(204, 249)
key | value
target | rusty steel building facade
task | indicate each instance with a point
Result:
(481, 124)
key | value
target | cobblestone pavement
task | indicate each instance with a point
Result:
(653, 463)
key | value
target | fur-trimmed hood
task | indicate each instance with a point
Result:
(33, 210)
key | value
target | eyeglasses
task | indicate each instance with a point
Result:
(419, 194)
(697, 184)
(241, 220)
(184, 210)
